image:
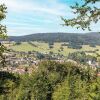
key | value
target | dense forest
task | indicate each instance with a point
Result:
(52, 81)
(72, 38)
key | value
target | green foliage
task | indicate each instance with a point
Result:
(86, 13)
(2, 11)
(81, 57)
(8, 85)
(74, 46)
(50, 44)
(62, 91)
(18, 43)
(2, 16)
(76, 88)
(40, 56)
(54, 81)
(2, 32)
(49, 74)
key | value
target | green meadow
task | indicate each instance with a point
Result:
(44, 48)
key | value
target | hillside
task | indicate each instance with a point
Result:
(84, 39)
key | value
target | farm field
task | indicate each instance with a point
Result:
(44, 48)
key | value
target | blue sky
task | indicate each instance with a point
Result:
(39, 16)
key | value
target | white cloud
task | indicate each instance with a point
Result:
(52, 7)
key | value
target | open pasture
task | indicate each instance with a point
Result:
(44, 48)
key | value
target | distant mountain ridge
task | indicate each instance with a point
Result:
(88, 38)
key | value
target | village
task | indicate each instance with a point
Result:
(26, 62)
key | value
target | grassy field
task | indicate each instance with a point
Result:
(44, 48)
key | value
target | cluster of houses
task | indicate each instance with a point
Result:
(93, 64)
(19, 62)
(18, 70)
(16, 59)
(22, 62)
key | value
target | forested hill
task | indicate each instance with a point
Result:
(88, 38)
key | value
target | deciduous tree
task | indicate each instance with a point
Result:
(3, 31)
(87, 13)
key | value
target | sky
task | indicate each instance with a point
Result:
(39, 16)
